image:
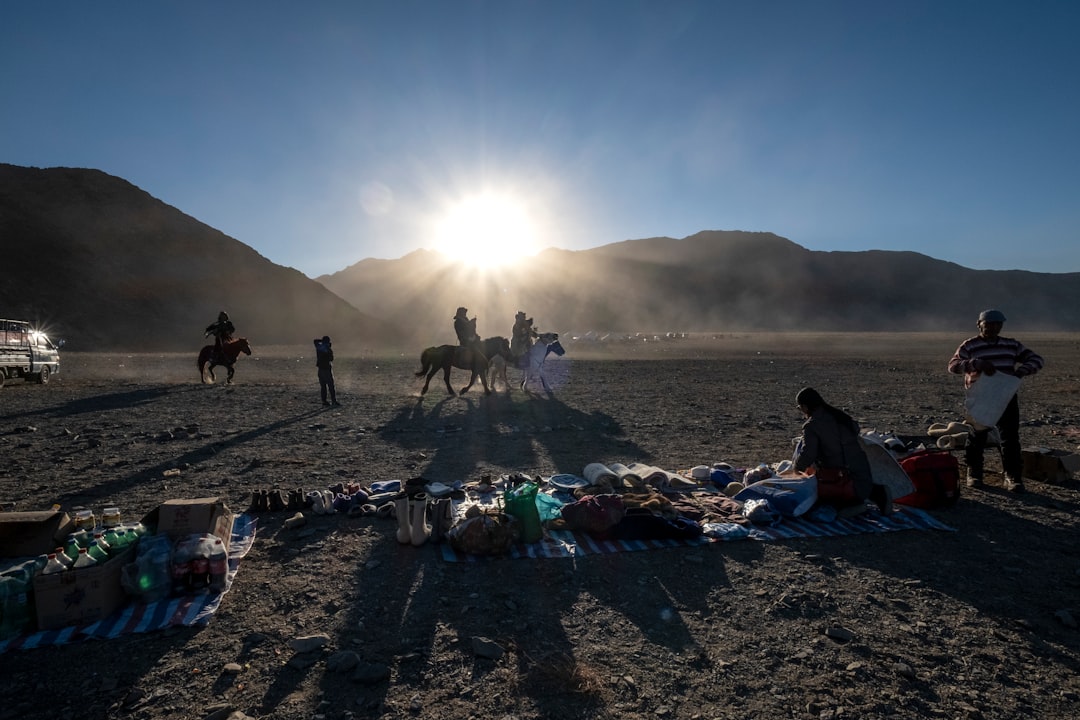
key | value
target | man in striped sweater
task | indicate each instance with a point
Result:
(988, 353)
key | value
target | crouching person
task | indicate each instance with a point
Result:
(832, 447)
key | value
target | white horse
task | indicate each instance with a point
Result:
(533, 360)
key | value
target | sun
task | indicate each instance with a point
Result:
(487, 231)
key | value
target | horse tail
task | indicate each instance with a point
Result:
(425, 362)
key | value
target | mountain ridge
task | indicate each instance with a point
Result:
(107, 266)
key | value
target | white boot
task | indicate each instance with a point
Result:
(404, 527)
(421, 531)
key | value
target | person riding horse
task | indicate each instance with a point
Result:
(466, 330)
(522, 336)
(222, 330)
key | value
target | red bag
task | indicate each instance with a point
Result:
(835, 486)
(936, 476)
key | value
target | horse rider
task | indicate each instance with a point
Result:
(222, 330)
(522, 336)
(466, 329)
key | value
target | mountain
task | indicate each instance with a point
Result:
(104, 265)
(712, 281)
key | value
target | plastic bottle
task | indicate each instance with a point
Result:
(102, 543)
(97, 552)
(53, 565)
(63, 557)
(219, 566)
(181, 567)
(85, 559)
(200, 564)
(115, 539)
(71, 547)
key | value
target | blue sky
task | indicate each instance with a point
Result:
(324, 133)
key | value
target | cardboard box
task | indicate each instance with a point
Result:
(76, 597)
(1053, 466)
(32, 533)
(192, 516)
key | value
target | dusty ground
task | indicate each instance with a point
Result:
(972, 624)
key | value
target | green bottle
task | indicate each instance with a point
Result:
(95, 551)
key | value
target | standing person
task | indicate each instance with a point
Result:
(831, 444)
(222, 330)
(522, 335)
(324, 360)
(465, 329)
(986, 354)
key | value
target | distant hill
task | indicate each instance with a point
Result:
(106, 266)
(711, 281)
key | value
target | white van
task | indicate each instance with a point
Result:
(27, 353)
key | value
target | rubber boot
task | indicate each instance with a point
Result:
(421, 531)
(277, 503)
(404, 527)
(442, 518)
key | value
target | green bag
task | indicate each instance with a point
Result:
(520, 502)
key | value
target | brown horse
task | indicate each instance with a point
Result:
(474, 360)
(209, 358)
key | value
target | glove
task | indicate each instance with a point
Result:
(1021, 372)
(986, 367)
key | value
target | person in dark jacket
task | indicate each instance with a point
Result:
(324, 360)
(222, 330)
(831, 442)
(465, 329)
(522, 335)
(986, 354)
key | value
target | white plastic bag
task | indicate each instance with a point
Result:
(987, 398)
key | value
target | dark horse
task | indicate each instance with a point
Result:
(229, 352)
(474, 360)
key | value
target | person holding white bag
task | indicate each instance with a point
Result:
(988, 353)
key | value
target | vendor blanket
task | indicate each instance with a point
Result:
(137, 617)
(563, 543)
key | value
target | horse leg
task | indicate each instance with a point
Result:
(428, 379)
(228, 378)
(483, 380)
(446, 379)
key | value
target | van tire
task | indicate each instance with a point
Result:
(43, 376)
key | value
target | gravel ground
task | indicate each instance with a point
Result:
(977, 623)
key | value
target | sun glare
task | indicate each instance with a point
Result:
(487, 231)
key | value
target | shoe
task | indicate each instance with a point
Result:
(335, 403)
(882, 497)
(258, 502)
(1014, 485)
(973, 481)
(277, 503)
(324, 402)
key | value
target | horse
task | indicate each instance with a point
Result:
(209, 358)
(497, 362)
(533, 360)
(466, 358)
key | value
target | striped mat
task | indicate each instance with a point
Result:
(137, 617)
(564, 543)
